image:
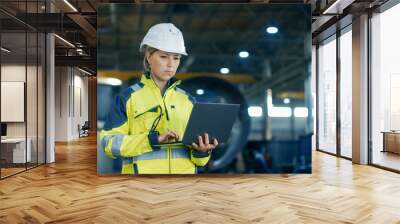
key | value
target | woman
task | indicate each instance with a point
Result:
(155, 111)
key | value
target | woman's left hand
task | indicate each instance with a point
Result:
(205, 145)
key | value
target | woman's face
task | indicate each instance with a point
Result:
(163, 64)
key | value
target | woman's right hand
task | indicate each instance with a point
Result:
(165, 137)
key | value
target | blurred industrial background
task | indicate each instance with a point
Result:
(253, 55)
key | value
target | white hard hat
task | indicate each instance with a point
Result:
(165, 37)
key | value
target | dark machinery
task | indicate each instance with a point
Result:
(214, 90)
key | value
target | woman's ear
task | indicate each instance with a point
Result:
(148, 57)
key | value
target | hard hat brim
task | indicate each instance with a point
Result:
(142, 49)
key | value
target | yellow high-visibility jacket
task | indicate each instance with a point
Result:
(136, 119)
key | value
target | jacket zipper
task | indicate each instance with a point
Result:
(166, 111)
(163, 99)
(169, 147)
(169, 159)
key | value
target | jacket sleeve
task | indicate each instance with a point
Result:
(200, 158)
(116, 140)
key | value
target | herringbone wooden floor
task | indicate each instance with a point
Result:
(70, 191)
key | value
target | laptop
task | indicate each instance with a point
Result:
(216, 119)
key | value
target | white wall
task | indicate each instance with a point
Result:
(12, 73)
(33, 126)
(71, 102)
(61, 103)
(16, 73)
(80, 104)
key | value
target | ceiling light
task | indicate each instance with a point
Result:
(244, 54)
(272, 30)
(109, 81)
(70, 5)
(224, 70)
(279, 112)
(84, 71)
(200, 92)
(301, 112)
(254, 111)
(286, 101)
(335, 6)
(5, 49)
(64, 40)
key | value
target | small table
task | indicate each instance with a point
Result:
(391, 141)
(18, 150)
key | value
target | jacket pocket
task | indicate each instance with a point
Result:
(151, 110)
(144, 119)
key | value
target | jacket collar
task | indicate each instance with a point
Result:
(148, 81)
